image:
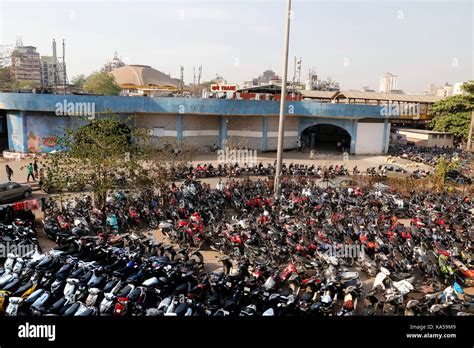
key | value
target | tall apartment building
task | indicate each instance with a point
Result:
(113, 64)
(388, 82)
(26, 64)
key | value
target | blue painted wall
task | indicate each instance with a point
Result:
(32, 122)
(131, 105)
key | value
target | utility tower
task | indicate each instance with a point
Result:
(59, 70)
(181, 78)
(199, 74)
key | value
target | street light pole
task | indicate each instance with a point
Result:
(281, 124)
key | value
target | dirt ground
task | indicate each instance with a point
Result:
(362, 162)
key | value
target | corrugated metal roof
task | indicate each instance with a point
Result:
(387, 96)
(318, 94)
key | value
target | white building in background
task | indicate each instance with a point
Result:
(113, 64)
(52, 72)
(388, 82)
(457, 90)
(446, 90)
(431, 89)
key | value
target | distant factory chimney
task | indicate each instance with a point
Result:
(55, 70)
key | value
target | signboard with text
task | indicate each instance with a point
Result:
(223, 88)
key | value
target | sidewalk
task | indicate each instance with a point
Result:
(19, 170)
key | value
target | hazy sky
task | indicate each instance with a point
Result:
(354, 42)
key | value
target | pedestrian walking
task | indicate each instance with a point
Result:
(30, 173)
(40, 177)
(35, 168)
(9, 172)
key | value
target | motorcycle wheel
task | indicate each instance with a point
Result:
(197, 256)
(181, 257)
(169, 255)
(153, 224)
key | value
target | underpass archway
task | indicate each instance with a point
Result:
(325, 138)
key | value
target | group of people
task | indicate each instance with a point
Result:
(33, 172)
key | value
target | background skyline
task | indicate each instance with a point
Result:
(354, 42)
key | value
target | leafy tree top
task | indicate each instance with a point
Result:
(101, 83)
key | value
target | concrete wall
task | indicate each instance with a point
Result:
(168, 122)
(370, 138)
(429, 140)
(245, 131)
(201, 130)
(440, 140)
(291, 133)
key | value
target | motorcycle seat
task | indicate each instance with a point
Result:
(70, 310)
(134, 294)
(181, 309)
(125, 291)
(86, 312)
(22, 289)
(12, 285)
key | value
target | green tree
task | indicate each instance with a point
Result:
(99, 152)
(79, 80)
(453, 114)
(441, 170)
(101, 83)
(7, 81)
(27, 84)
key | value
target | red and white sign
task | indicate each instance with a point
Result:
(223, 88)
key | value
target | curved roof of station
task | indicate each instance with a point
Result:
(142, 75)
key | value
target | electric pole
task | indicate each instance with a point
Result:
(281, 124)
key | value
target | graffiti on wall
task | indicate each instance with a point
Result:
(33, 133)
(43, 132)
(38, 144)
